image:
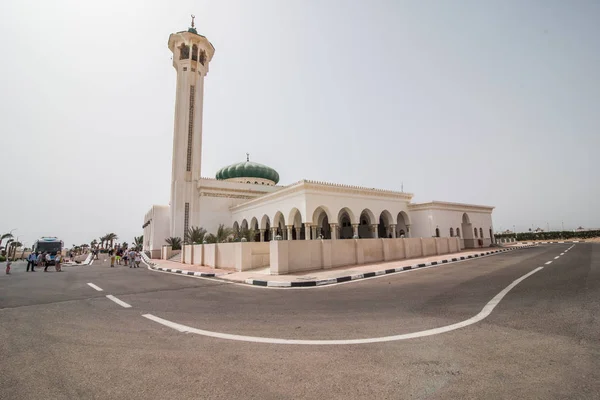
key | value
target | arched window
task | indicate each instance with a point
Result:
(195, 52)
(451, 232)
(256, 183)
(184, 52)
(475, 230)
(202, 57)
(481, 233)
(458, 232)
(437, 232)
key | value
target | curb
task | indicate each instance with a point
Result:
(330, 281)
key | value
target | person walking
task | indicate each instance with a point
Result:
(138, 259)
(47, 260)
(57, 261)
(31, 262)
(39, 259)
(111, 254)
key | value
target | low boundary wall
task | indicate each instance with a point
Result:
(303, 255)
(240, 256)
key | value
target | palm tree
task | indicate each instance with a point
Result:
(94, 243)
(13, 247)
(5, 236)
(210, 238)
(223, 233)
(195, 235)
(139, 242)
(102, 240)
(174, 242)
(112, 237)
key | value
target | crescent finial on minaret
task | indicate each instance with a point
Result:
(193, 16)
(247, 156)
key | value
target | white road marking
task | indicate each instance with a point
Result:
(557, 257)
(549, 262)
(95, 287)
(562, 254)
(485, 312)
(119, 302)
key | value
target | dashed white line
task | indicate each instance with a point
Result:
(486, 311)
(95, 287)
(557, 257)
(549, 262)
(562, 254)
(119, 302)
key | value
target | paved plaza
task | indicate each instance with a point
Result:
(96, 332)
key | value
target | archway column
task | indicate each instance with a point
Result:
(298, 233)
(393, 229)
(408, 230)
(314, 232)
(273, 232)
(355, 230)
(289, 231)
(334, 231)
(375, 231)
(262, 235)
(307, 231)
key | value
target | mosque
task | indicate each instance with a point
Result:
(246, 195)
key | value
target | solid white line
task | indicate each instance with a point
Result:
(95, 287)
(549, 262)
(486, 311)
(91, 262)
(557, 257)
(119, 302)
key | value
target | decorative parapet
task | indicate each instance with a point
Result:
(443, 205)
(305, 184)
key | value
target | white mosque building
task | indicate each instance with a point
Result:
(247, 194)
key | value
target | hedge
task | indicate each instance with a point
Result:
(551, 235)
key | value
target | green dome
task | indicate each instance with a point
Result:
(248, 169)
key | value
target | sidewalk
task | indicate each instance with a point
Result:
(261, 277)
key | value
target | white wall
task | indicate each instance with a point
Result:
(158, 230)
(304, 255)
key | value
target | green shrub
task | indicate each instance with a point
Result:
(558, 235)
(2, 258)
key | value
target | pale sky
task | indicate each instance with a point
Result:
(482, 102)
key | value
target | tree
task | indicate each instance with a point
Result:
(138, 241)
(174, 242)
(245, 233)
(112, 237)
(195, 235)
(94, 243)
(210, 238)
(223, 233)
(5, 236)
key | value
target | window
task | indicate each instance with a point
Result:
(184, 52)
(475, 230)
(458, 232)
(481, 233)
(195, 53)
(202, 57)
(437, 232)
(451, 232)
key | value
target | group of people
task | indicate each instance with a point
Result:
(44, 260)
(120, 255)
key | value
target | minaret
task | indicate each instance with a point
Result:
(191, 55)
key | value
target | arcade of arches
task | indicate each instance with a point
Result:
(321, 226)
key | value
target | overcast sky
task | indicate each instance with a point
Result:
(482, 102)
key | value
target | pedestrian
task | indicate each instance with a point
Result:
(138, 259)
(125, 256)
(118, 256)
(111, 254)
(40, 260)
(31, 262)
(57, 261)
(8, 262)
(47, 261)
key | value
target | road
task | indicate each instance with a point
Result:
(62, 339)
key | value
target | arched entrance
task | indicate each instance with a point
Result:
(366, 221)
(255, 229)
(402, 224)
(295, 219)
(383, 228)
(321, 221)
(345, 218)
(468, 231)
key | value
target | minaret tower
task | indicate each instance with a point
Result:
(191, 55)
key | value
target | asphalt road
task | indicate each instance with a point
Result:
(62, 339)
